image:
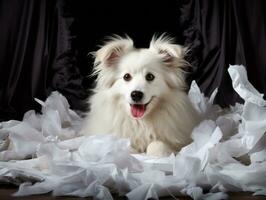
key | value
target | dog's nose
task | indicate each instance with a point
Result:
(136, 95)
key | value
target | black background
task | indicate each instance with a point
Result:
(44, 45)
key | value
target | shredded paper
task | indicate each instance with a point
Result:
(45, 153)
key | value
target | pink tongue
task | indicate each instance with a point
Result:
(137, 110)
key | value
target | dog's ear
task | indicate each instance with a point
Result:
(111, 51)
(170, 53)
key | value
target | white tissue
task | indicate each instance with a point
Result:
(243, 87)
(67, 164)
(203, 104)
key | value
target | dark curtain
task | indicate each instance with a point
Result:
(222, 33)
(37, 55)
(44, 44)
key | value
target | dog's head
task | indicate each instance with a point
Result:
(138, 79)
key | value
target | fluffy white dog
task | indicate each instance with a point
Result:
(140, 95)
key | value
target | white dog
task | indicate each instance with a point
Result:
(140, 95)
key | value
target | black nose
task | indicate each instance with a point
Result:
(136, 95)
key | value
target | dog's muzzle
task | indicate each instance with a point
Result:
(137, 109)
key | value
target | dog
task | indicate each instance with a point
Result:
(140, 94)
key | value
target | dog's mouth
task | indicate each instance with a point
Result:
(138, 110)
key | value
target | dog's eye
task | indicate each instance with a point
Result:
(127, 77)
(149, 77)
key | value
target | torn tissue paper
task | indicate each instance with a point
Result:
(44, 153)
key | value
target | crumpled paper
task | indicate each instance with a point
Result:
(45, 153)
(243, 87)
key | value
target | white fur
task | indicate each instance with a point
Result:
(169, 117)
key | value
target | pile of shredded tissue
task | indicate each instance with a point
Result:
(44, 153)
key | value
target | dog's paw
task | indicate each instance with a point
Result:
(158, 149)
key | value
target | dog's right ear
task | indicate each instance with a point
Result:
(109, 54)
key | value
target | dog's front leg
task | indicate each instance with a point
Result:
(159, 149)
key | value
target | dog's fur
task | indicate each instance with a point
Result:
(169, 117)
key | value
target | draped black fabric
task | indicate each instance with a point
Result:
(44, 44)
(220, 33)
(37, 55)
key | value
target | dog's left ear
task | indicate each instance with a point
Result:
(109, 54)
(170, 53)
